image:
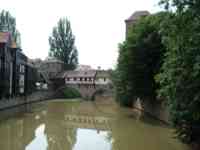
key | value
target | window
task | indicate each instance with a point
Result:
(0, 63)
(74, 79)
(21, 80)
(85, 79)
(21, 90)
(104, 79)
(21, 68)
(21, 84)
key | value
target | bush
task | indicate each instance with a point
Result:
(71, 93)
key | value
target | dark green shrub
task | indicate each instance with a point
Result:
(71, 93)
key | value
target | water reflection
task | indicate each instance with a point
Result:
(59, 125)
(40, 140)
(88, 139)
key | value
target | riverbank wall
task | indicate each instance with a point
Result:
(34, 97)
(157, 109)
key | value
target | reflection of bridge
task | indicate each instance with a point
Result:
(60, 121)
(89, 122)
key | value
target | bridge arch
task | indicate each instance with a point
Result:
(87, 92)
(99, 91)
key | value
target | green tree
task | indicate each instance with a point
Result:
(62, 44)
(8, 23)
(179, 76)
(122, 76)
(140, 59)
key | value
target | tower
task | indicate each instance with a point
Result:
(134, 18)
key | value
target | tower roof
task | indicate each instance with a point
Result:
(137, 14)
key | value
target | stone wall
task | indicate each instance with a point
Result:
(34, 97)
(157, 109)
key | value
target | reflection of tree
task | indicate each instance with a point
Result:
(57, 139)
(129, 133)
(121, 136)
(17, 133)
(59, 136)
(10, 136)
(109, 137)
(61, 121)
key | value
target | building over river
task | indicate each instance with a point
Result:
(87, 81)
(87, 77)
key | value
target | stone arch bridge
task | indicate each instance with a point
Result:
(88, 91)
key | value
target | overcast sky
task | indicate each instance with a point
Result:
(98, 25)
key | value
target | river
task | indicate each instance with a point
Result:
(82, 125)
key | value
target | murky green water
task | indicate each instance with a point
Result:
(62, 125)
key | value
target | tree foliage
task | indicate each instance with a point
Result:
(179, 76)
(162, 54)
(71, 93)
(62, 44)
(8, 23)
(140, 58)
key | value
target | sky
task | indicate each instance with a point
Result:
(98, 25)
